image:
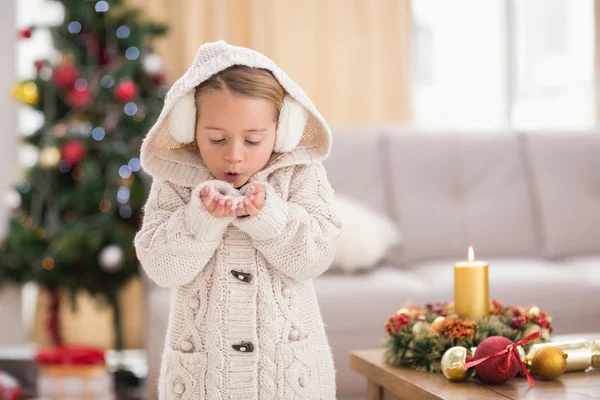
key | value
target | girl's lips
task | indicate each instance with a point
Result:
(231, 177)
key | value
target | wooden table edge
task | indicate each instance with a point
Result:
(386, 378)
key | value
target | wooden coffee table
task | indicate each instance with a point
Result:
(388, 383)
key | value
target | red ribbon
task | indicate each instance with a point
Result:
(508, 352)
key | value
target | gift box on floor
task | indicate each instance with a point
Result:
(70, 373)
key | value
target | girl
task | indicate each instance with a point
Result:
(238, 222)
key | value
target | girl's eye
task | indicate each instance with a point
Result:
(223, 140)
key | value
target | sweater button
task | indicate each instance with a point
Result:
(286, 292)
(294, 334)
(244, 347)
(242, 276)
(179, 388)
(187, 346)
(194, 303)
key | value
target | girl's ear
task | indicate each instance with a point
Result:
(290, 126)
(182, 119)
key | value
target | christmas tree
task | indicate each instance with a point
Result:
(76, 211)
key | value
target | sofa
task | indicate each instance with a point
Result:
(529, 204)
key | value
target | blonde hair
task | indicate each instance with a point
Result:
(246, 81)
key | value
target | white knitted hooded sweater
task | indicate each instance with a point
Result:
(244, 320)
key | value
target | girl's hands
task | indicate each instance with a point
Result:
(216, 204)
(253, 201)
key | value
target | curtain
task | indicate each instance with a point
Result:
(352, 57)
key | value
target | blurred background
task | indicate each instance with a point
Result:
(467, 122)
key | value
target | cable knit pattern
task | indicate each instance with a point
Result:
(244, 321)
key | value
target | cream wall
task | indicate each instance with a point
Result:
(351, 56)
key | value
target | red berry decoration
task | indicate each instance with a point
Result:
(79, 99)
(492, 371)
(26, 33)
(65, 76)
(73, 151)
(125, 91)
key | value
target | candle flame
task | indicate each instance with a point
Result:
(471, 253)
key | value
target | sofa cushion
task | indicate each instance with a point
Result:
(365, 238)
(354, 167)
(565, 171)
(452, 190)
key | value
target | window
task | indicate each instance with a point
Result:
(523, 64)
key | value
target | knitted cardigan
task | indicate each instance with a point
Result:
(244, 320)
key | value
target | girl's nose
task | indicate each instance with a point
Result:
(234, 153)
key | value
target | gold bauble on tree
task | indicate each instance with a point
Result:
(49, 157)
(549, 362)
(452, 364)
(27, 93)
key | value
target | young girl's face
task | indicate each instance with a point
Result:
(235, 134)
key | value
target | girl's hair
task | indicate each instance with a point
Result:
(246, 81)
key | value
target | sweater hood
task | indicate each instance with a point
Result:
(167, 151)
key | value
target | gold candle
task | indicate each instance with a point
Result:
(471, 291)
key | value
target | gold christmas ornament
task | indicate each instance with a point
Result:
(582, 354)
(452, 364)
(534, 311)
(549, 362)
(49, 157)
(437, 323)
(420, 326)
(595, 347)
(27, 93)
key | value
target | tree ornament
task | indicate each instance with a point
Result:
(73, 151)
(65, 76)
(26, 33)
(12, 199)
(26, 93)
(152, 64)
(452, 364)
(79, 99)
(549, 362)
(125, 91)
(111, 258)
(49, 157)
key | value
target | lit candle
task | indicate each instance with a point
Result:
(471, 292)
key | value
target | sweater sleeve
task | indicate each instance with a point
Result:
(178, 236)
(297, 237)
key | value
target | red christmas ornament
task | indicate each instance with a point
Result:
(497, 359)
(79, 99)
(73, 151)
(488, 371)
(65, 76)
(26, 32)
(125, 91)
